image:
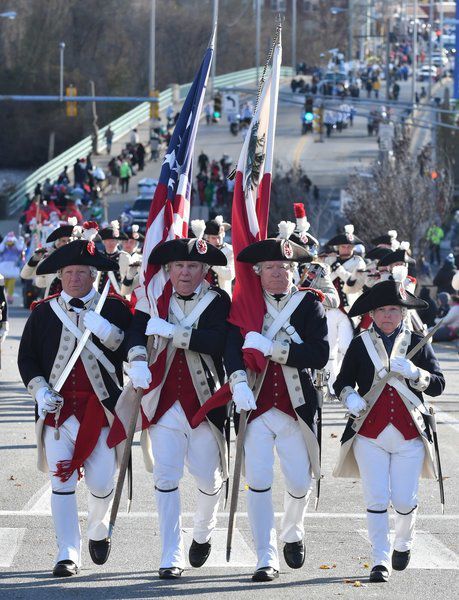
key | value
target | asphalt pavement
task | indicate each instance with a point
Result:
(337, 553)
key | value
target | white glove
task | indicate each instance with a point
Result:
(47, 401)
(355, 404)
(258, 342)
(157, 326)
(243, 397)
(404, 367)
(342, 273)
(139, 373)
(97, 325)
(3, 334)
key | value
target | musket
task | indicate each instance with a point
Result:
(72, 360)
(236, 479)
(433, 426)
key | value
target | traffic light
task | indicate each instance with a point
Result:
(309, 109)
(71, 109)
(217, 107)
(154, 106)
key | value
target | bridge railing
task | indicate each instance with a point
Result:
(120, 128)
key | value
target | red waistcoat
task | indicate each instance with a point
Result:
(273, 393)
(178, 386)
(389, 408)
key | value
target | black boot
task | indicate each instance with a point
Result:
(170, 573)
(65, 568)
(400, 560)
(294, 554)
(265, 574)
(199, 553)
(99, 551)
(379, 574)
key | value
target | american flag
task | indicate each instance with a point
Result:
(167, 220)
(250, 212)
(250, 209)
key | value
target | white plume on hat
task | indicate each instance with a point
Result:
(399, 273)
(116, 227)
(349, 228)
(198, 227)
(392, 233)
(404, 245)
(219, 220)
(394, 244)
(72, 221)
(286, 228)
(135, 231)
(90, 229)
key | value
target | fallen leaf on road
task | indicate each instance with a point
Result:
(12, 478)
(324, 567)
(366, 566)
(357, 584)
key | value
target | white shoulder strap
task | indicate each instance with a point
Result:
(280, 318)
(115, 284)
(90, 346)
(189, 320)
(380, 369)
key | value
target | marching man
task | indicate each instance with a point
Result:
(72, 425)
(132, 246)
(213, 232)
(111, 237)
(282, 400)
(193, 336)
(340, 327)
(387, 439)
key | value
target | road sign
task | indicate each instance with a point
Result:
(231, 104)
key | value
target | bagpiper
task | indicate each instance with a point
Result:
(74, 410)
(193, 334)
(213, 231)
(343, 263)
(387, 440)
(111, 237)
(282, 399)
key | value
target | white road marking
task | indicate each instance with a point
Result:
(222, 515)
(40, 501)
(444, 418)
(241, 554)
(10, 541)
(427, 552)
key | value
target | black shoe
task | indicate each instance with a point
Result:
(294, 554)
(379, 574)
(170, 573)
(99, 550)
(265, 574)
(400, 560)
(65, 568)
(199, 553)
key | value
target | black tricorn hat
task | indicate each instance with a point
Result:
(214, 226)
(60, 232)
(274, 249)
(304, 239)
(112, 233)
(347, 237)
(194, 249)
(386, 293)
(377, 253)
(396, 256)
(133, 233)
(79, 252)
(385, 238)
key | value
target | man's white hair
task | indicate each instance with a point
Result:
(205, 266)
(292, 266)
(92, 270)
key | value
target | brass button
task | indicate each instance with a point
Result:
(297, 388)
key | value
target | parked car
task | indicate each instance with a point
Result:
(137, 214)
(424, 72)
(146, 187)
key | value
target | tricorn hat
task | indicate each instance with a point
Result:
(387, 239)
(347, 237)
(63, 230)
(274, 249)
(78, 252)
(377, 253)
(189, 249)
(132, 233)
(215, 226)
(400, 255)
(385, 293)
(112, 232)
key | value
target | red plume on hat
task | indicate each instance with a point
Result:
(299, 209)
(90, 229)
(302, 224)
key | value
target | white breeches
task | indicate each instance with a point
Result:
(390, 468)
(175, 444)
(275, 429)
(99, 474)
(340, 334)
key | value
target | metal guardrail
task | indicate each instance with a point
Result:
(120, 127)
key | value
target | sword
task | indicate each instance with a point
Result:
(433, 425)
(72, 360)
(236, 480)
(319, 383)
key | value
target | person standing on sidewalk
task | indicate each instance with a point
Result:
(125, 175)
(434, 236)
(109, 139)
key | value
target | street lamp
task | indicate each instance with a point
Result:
(9, 14)
(61, 70)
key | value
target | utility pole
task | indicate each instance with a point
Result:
(61, 70)
(257, 37)
(213, 67)
(350, 31)
(388, 23)
(294, 3)
(431, 23)
(152, 61)
(95, 118)
(415, 52)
